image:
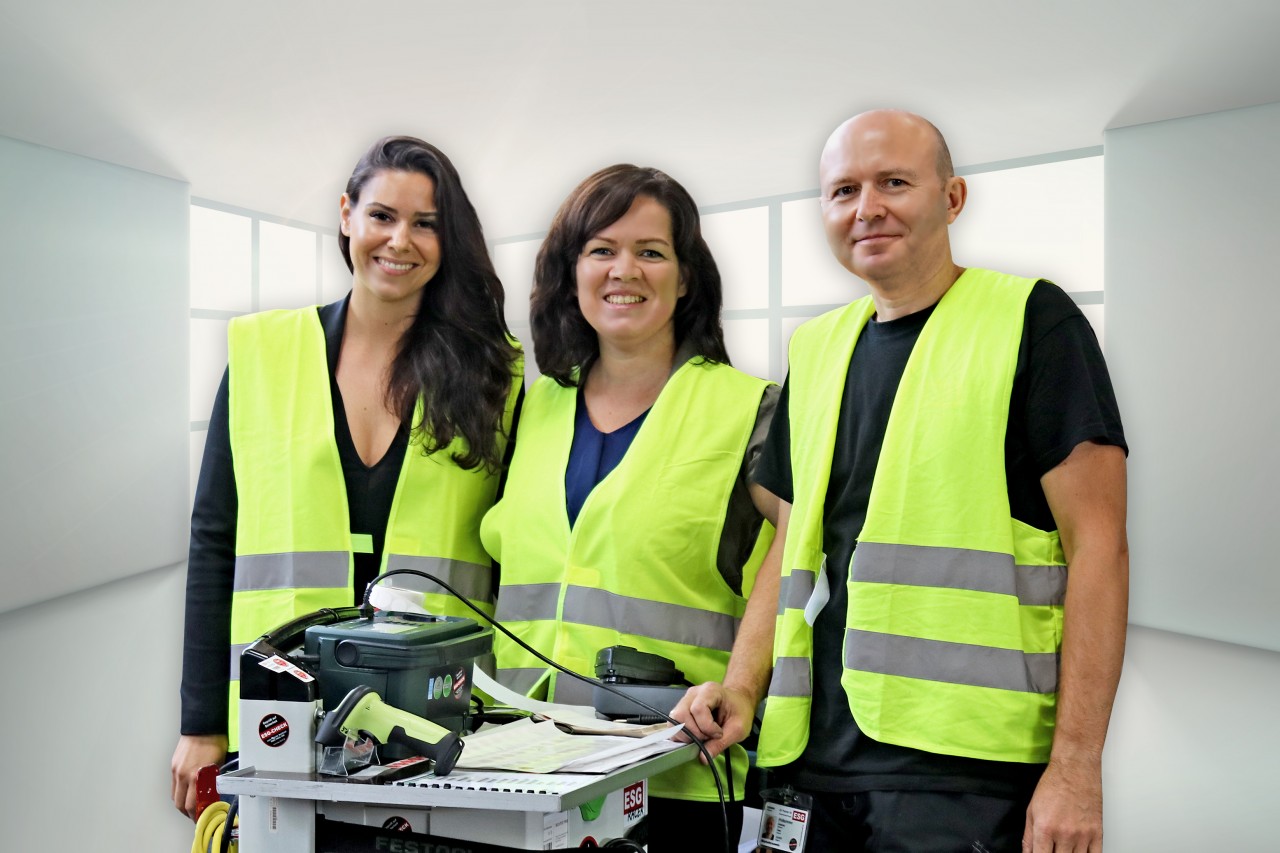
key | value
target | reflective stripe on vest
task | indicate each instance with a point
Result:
(314, 569)
(673, 623)
(796, 590)
(791, 677)
(955, 663)
(638, 568)
(528, 601)
(957, 568)
(474, 580)
(236, 649)
(293, 542)
(954, 615)
(522, 680)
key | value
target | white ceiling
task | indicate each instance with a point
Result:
(266, 104)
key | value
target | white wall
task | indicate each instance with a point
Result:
(93, 500)
(1192, 296)
(1192, 301)
(90, 716)
(1190, 758)
(92, 394)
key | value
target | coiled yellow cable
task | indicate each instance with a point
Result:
(210, 828)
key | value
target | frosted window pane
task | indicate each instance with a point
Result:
(1096, 314)
(221, 260)
(1037, 221)
(197, 453)
(208, 361)
(810, 273)
(739, 241)
(514, 263)
(748, 344)
(286, 266)
(335, 278)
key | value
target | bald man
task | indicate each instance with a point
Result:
(942, 639)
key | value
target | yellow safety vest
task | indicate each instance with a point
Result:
(294, 545)
(954, 620)
(638, 568)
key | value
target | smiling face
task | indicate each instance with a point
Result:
(885, 207)
(395, 248)
(628, 279)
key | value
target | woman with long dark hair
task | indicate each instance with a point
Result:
(350, 438)
(628, 518)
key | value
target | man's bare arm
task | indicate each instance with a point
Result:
(721, 714)
(1086, 494)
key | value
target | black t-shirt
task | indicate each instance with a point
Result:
(1061, 396)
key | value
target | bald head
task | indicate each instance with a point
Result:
(895, 122)
(888, 197)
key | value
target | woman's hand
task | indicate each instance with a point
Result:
(192, 753)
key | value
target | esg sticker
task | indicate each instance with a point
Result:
(274, 730)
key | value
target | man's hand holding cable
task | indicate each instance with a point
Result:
(717, 715)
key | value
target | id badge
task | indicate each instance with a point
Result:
(784, 820)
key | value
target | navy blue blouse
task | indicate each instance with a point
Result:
(593, 455)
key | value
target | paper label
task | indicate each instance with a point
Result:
(275, 663)
(555, 831)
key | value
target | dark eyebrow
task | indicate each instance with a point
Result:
(420, 214)
(613, 242)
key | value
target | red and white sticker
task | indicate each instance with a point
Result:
(634, 804)
(274, 730)
(275, 663)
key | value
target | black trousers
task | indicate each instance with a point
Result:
(915, 822)
(677, 826)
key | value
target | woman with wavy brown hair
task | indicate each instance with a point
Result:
(350, 438)
(627, 518)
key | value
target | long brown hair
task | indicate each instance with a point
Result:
(457, 355)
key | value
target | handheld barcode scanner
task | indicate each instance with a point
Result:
(363, 714)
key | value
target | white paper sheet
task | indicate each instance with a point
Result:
(530, 747)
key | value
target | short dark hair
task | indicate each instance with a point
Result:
(565, 344)
(457, 355)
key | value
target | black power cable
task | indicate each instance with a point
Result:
(229, 827)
